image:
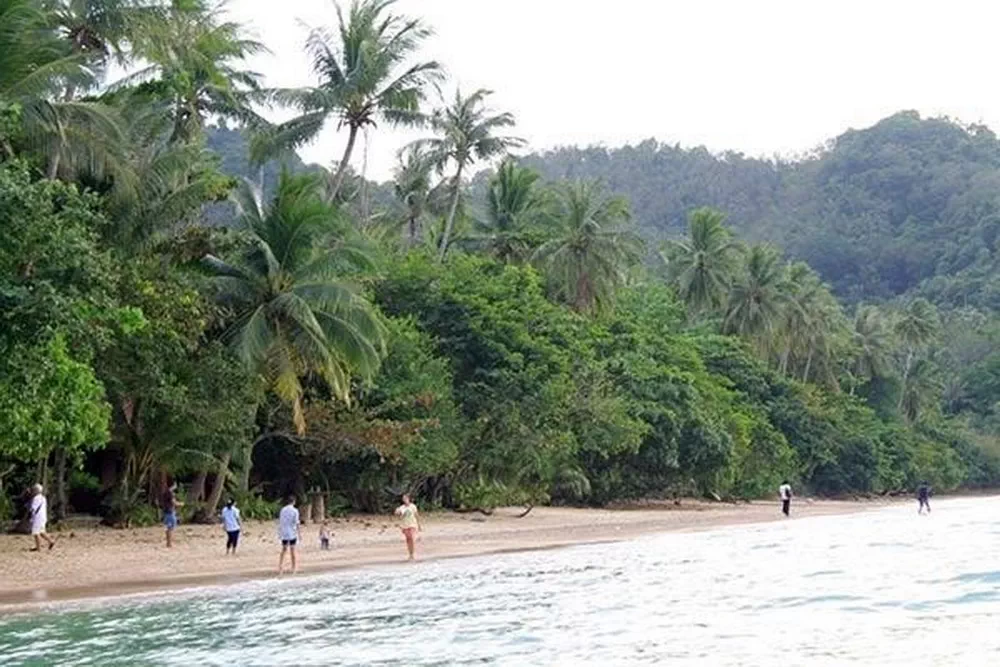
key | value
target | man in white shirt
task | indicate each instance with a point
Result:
(39, 517)
(231, 522)
(785, 491)
(288, 533)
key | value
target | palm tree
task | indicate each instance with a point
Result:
(592, 246)
(296, 313)
(466, 133)
(757, 298)
(364, 76)
(916, 326)
(921, 390)
(412, 187)
(702, 266)
(872, 344)
(514, 211)
(195, 58)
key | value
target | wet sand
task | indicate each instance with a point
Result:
(99, 562)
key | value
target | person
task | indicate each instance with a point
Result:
(785, 491)
(924, 498)
(324, 536)
(170, 505)
(231, 522)
(288, 533)
(409, 523)
(39, 514)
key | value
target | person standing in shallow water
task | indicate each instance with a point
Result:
(409, 523)
(785, 492)
(924, 498)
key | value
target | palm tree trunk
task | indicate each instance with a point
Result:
(338, 180)
(809, 359)
(62, 497)
(412, 231)
(906, 377)
(53, 169)
(443, 250)
(197, 490)
(219, 485)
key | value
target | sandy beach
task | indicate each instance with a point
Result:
(99, 562)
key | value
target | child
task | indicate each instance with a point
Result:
(324, 537)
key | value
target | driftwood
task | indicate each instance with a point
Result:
(470, 510)
(525, 512)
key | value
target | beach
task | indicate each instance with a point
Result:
(99, 562)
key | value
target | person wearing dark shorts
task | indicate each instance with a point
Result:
(924, 498)
(288, 533)
(785, 491)
(231, 523)
(170, 505)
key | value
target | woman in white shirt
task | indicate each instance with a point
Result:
(409, 523)
(39, 517)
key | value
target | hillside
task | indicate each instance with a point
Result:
(909, 204)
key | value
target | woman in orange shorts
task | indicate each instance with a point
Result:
(409, 523)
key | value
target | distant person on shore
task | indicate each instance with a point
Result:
(324, 536)
(288, 533)
(785, 492)
(409, 523)
(170, 505)
(231, 522)
(39, 514)
(924, 497)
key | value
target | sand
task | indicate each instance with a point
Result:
(99, 562)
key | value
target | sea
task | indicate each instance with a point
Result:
(881, 587)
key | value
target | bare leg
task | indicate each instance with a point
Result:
(281, 559)
(38, 542)
(48, 539)
(410, 546)
(295, 565)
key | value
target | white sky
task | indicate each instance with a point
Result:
(760, 76)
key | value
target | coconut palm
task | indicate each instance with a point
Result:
(916, 326)
(920, 391)
(195, 59)
(872, 344)
(365, 77)
(412, 187)
(592, 246)
(296, 313)
(514, 210)
(701, 267)
(466, 134)
(757, 299)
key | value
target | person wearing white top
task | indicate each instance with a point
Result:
(288, 533)
(231, 523)
(785, 491)
(39, 517)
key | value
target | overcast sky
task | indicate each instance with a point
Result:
(760, 76)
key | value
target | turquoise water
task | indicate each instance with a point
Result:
(881, 588)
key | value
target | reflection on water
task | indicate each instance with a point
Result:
(881, 588)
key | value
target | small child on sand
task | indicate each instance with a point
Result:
(324, 536)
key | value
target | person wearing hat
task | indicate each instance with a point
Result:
(39, 512)
(231, 522)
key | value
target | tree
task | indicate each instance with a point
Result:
(757, 298)
(295, 311)
(364, 76)
(515, 209)
(916, 326)
(195, 59)
(872, 344)
(412, 187)
(702, 266)
(591, 248)
(466, 134)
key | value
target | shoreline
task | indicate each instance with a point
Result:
(141, 564)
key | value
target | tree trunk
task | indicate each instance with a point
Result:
(412, 231)
(906, 377)
(338, 180)
(197, 491)
(809, 359)
(446, 238)
(53, 170)
(220, 484)
(61, 496)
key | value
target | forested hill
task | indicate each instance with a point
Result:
(909, 204)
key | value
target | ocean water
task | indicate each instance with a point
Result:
(879, 588)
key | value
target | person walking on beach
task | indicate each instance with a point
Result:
(39, 514)
(288, 533)
(924, 498)
(170, 505)
(785, 492)
(409, 523)
(231, 522)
